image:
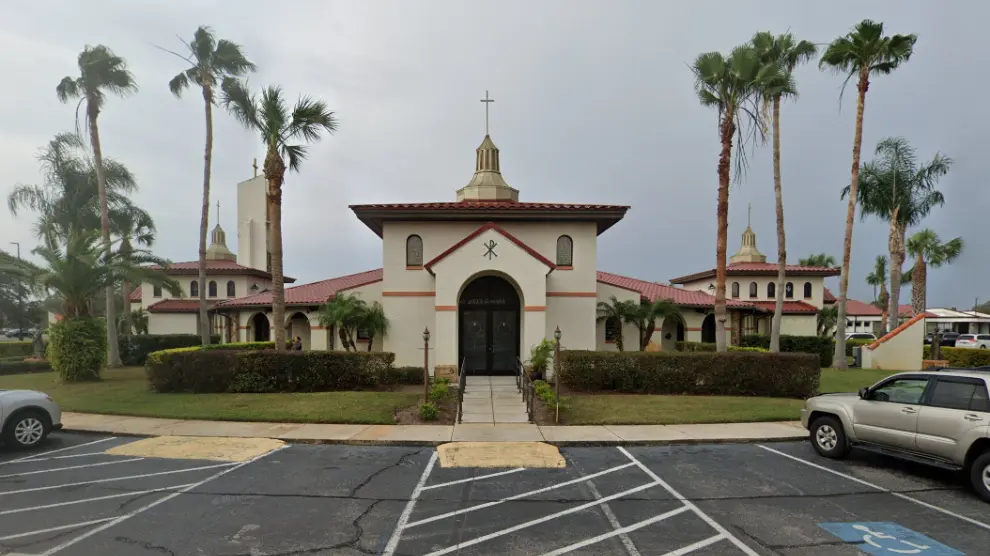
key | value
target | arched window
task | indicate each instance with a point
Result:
(211, 288)
(772, 290)
(231, 289)
(735, 289)
(414, 251)
(193, 289)
(565, 251)
(612, 328)
(753, 290)
(789, 290)
(807, 290)
(156, 291)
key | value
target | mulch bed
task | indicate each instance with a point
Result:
(446, 412)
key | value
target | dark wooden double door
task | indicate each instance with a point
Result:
(489, 327)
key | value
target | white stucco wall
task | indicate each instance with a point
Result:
(899, 350)
(817, 288)
(242, 285)
(172, 323)
(799, 325)
(252, 216)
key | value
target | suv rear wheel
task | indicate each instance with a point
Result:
(979, 475)
(829, 438)
(26, 429)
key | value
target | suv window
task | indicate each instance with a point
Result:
(954, 394)
(983, 337)
(966, 337)
(901, 390)
(980, 401)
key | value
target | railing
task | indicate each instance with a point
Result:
(525, 385)
(461, 382)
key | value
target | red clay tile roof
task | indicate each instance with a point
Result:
(653, 291)
(790, 307)
(860, 309)
(827, 297)
(489, 226)
(175, 306)
(191, 268)
(136, 294)
(900, 329)
(760, 269)
(375, 214)
(316, 293)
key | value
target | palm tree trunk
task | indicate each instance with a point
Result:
(778, 310)
(839, 358)
(896, 269)
(371, 340)
(126, 287)
(113, 350)
(647, 334)
(884, 298)
(919, 284)
(275, 173)
(722, 210)
(342, 334)
(204, 319)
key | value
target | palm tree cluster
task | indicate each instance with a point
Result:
(643, 315)
(348, 314)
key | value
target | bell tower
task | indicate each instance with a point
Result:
(748, 253)
(487, 184)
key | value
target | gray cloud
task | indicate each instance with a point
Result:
(594, 103)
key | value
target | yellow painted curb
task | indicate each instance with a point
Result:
(198, 447)
(500, 454)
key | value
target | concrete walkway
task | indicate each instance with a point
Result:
(492, 400)
(439, 434)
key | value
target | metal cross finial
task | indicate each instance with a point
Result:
(487, 100)
(255, 166)
(749, 217)
(218, 212)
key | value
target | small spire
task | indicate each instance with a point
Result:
(255, 166)
(749, 216)
(218, 212)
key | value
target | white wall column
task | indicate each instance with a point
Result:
(443, 338)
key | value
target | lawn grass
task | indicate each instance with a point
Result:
(638, 409)
(125, 392)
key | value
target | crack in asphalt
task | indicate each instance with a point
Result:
(145, 545)
(402, 459)
(354, 543)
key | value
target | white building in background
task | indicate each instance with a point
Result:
(963, 322)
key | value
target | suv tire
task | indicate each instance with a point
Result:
(26, 429)
(829, 438)
(979, 476)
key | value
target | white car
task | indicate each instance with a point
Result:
(977, 341)
(26, 417)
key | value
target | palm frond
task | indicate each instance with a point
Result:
(239, 101)
(178, 84)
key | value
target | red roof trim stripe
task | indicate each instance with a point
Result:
(136, 294)
(175, 306)
(900, 329)
(489, 226)
(790, 307)
(759, 269)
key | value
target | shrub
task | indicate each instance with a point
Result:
(260, 370)
(134, 349)
(962, 357)
(710, 348)
(20, 366)
(782, 375)
(428, 411)
(17, 348)
(824, 347)
(850, 344)
(405, 375)
(77, 348)
(439, 391)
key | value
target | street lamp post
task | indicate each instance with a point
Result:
(20, 298)
(426, 365)
(556, 370)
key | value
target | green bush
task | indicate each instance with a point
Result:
(405, 375)
(850, 344)
(134, 349)
(259, 370)
(781, 375)
(824, 347)
(710, 348)
(439, 392)
(20, 366)
(428, 411)
(77, 348)
(962, 357)
(22, 348)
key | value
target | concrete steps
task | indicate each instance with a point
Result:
(493, 399)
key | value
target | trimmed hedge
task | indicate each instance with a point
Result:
(962, 357)
(710, 348)
(406, 375)
(823, 347)
(258, 370)
(134, 349)
(779, 375)
(23, 348)
(20, 366)
(77, 348)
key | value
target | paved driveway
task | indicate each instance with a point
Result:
(72, 499)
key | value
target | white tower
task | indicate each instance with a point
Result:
(252, 223)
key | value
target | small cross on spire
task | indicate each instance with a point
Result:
(218, 212)
(749, 217)
(487, 101)
(255, 166)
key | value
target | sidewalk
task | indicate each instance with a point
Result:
(438, 434)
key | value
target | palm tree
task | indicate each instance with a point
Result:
(862, 52)
(617, 312)
(786, 53)
(878, 278)
(730, 85)
(826, 320)
(211, 61)
(279, 129)
(100, 72)
(134, 227)
(896, 189)
(820, 260)
(372, 319)
(928, 250)
(343, 312)
(645, 316)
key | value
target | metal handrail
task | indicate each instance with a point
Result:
(527, 388)
(461, 382)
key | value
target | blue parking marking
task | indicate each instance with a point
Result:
(884, 538)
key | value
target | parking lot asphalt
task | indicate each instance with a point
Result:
(70, 498)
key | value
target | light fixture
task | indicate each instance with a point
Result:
(711, 288)
(556, 334)
(426, 334)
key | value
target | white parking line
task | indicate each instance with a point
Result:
(878, 487)
(393, 541)
(543, 519)
(617, 532)
(147, 507)
(53, 529)
(112, 479)
(707, 519)
(695, 546)
(115, 462)
(98, 498)
(614, 521)
(32, 460)
(32, 457)
(472, 479)
(517, 496)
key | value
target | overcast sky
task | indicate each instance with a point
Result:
(594, 103)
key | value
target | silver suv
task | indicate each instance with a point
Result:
(939, 417)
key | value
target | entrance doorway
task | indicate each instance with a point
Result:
(708, 330)
(488, 326)
(262, 328)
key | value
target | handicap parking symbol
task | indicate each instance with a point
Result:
(887, 539)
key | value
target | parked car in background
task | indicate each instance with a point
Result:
(978, 341)
(948, 338)
(939, 418)
(860, 336)
(26, 417)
